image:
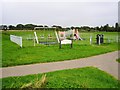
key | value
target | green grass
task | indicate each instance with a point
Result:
(118, 60)
(88, 77)
(13, 55)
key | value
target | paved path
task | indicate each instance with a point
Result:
(106, 62)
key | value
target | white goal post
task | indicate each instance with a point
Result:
(16, 39)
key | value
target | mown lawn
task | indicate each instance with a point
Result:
(13, 55)
(88, 77)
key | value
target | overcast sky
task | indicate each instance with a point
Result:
(64, 13)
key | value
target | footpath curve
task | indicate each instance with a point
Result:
(106, 62)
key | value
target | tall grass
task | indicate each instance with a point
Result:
(37, 83)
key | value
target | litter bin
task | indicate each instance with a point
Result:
(102, 38)
(97, 38)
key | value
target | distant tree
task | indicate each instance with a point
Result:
(77, 27)
(111, 29)
(40, 26)
(20, 27)
(45, 26)
(97, 28)
(67, 28)
(11, 27)
(106, 28)
(60, 27)
(54, 26)
(101, 28)
(86, 28)
(29, 26)
(72, 27)
(4, 27)
(119, 29)
(116, 27)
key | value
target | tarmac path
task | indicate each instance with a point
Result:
(106, 62)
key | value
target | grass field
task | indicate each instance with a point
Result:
(88, 77)
(13, 55)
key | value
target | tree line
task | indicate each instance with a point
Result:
(105, 28)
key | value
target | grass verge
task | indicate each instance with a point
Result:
(87, 77)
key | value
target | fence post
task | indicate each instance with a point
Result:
(90, 40)
(60, 45)
(21, 42)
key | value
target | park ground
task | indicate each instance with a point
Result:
(13, 55)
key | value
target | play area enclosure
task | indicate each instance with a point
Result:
(48, 37)
(45, 37)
